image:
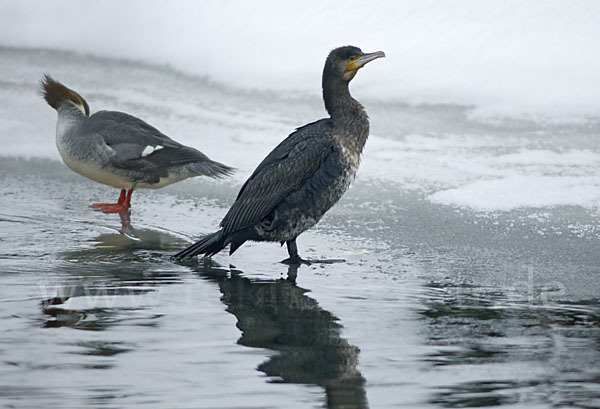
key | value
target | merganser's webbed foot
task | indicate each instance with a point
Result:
(123, 203)
(109, 208)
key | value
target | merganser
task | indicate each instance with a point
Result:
(120, 150)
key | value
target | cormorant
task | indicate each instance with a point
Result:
(305, 174)
(120, 150)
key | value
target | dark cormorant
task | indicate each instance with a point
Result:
(120, 150)
(304, 175)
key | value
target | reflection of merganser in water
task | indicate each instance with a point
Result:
(120, 150)
(305, 174)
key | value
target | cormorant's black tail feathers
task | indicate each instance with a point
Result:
(207, 246)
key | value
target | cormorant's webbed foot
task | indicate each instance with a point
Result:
(327, 261)
(295, 259)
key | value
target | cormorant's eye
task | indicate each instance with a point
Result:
(354, 57)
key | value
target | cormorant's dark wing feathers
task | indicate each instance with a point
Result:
(283, 171)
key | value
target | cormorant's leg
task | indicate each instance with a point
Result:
(293, 252)
(296, 259)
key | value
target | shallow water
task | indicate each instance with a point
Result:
(437, 305)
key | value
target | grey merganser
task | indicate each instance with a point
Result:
(120, 150)
(304, 175)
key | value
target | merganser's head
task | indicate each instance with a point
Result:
(57, 94)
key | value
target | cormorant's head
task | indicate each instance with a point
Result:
(57, 94)
(346, 61)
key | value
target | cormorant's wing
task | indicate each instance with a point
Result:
(283, 171)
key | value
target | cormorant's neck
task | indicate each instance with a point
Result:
(337, 98)
(347, 114)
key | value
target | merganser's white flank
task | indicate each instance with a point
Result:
(120, 150)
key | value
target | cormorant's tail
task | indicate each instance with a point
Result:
(207, 246)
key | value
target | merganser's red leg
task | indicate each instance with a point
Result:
(120, 201)
(123, 203)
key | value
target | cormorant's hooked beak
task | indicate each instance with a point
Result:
(365, 58)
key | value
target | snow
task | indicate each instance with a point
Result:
(504, 57)
(522, 191)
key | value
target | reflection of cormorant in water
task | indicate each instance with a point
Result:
(276, 314)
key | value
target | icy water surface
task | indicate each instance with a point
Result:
(466, 283)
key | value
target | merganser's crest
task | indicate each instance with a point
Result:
(56, 94)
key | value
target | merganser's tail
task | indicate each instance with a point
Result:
(211, 169)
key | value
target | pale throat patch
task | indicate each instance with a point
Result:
(81, 108)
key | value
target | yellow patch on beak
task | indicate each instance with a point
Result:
(351, 64)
